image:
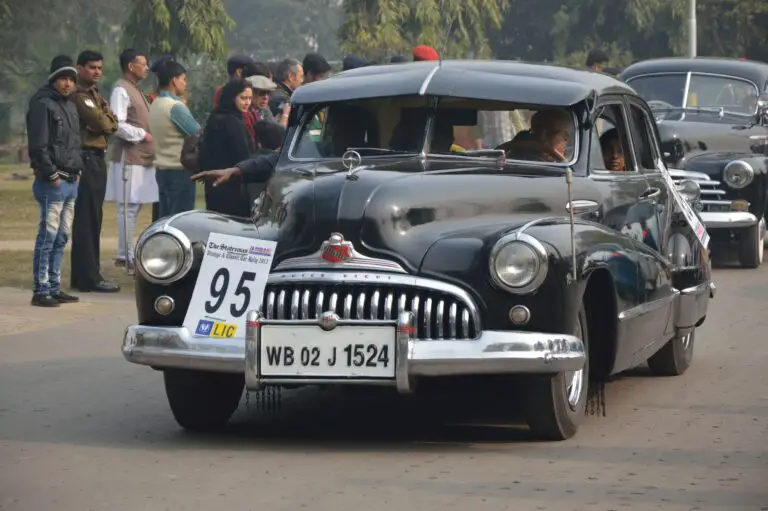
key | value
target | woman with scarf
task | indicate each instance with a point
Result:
(226, 142)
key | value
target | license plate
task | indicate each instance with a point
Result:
(344, 352)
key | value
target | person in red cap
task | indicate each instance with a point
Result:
(424, 52)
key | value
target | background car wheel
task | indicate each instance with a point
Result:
(751, 246)
(555, 405)
(675, 357)
(202, 401)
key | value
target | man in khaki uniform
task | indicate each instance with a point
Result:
(97, 124)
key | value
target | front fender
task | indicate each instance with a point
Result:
(196, 226)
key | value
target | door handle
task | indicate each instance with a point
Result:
(651, 193)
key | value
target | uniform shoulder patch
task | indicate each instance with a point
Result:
(89, 103)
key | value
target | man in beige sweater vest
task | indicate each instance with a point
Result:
(131, 179)
(171, 122)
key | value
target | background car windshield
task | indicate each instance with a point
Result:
(705, 91)
(395, 125)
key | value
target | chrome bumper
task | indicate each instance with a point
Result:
(728, 219)
(494, 352)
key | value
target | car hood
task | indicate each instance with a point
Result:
(397, 210)
(682, 140)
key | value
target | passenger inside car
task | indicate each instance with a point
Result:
(613, 153)
(547, 140)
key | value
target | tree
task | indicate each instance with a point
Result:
(275, 29)
(181, 27)
(378, 28)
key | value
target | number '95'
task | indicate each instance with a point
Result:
(218, 291)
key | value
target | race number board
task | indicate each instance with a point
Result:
(231, 282)
(690, 216)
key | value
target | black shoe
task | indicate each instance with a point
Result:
(45, 300)
(65, 298)
(104, 287)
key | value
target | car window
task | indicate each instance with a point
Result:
(643, 148)
(609, 144)
(730, 93)
(379, 126)
(667, 88)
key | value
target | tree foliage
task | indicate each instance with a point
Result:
(268, 29)
(379, 28)
(182, 27)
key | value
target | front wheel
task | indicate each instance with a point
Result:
(556, 405)
(202, 401)
(675, 357)
(751, 245)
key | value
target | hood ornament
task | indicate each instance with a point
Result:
(336, 250)
(352, 161)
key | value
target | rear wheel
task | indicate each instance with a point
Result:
(202, 401)
(555, 405)
(675, 357)
(751, 245)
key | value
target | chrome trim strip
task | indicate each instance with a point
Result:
(348, 306)
(374, 279)
(319, 300)
(305, 304)
(727, 219)
(361, 306)
(439, 318)
(356, 261)
(645, 308)
(425, 84)
(270, 304)
(295, 304)
(428, 318)
(452, 311)
(281, 304)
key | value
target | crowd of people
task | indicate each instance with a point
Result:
(155, 143)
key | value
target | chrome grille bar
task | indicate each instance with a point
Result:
(440, 314)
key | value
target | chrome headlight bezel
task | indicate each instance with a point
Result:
(178, 237)
(738, 166)
(689, 189)
(539, 260)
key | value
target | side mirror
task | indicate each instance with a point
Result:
(762, 109)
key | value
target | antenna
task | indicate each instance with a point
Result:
(444, 45)
(569, 182)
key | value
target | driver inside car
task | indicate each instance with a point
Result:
(548, 139)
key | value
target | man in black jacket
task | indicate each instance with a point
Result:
(53, 137)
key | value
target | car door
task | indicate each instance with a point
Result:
(631, 209)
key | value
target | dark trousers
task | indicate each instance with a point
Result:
(86, 227)
(177, 191)
(155, 211)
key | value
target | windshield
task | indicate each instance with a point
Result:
(462, 128)
(734, 95)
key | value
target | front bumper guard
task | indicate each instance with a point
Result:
(494, 352)
(728, 219)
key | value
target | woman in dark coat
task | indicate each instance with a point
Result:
(226, 142)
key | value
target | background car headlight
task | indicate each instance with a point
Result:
(161, 256)
(518, 263)
(738, 174)
(689, 189)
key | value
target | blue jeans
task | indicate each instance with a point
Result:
(57, 209)
(177, 191)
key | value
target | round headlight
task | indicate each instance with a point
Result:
(161, 256)
(689, 189)
(518, 263)
(738, 174)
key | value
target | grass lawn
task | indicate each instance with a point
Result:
(16, 270)
(20, 214)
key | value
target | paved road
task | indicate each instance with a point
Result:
(81, 429)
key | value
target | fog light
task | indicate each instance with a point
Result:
(519, 315)
(740, 205)
(164, 305)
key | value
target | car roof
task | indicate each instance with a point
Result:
(514, 81)
(752, 70)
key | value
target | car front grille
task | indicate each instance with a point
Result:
(440, 314)
(712, 197)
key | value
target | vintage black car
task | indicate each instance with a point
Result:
(402, 259)
(711, 118)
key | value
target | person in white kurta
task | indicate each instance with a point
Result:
(141, 183)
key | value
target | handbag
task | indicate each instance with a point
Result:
(190, 152)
